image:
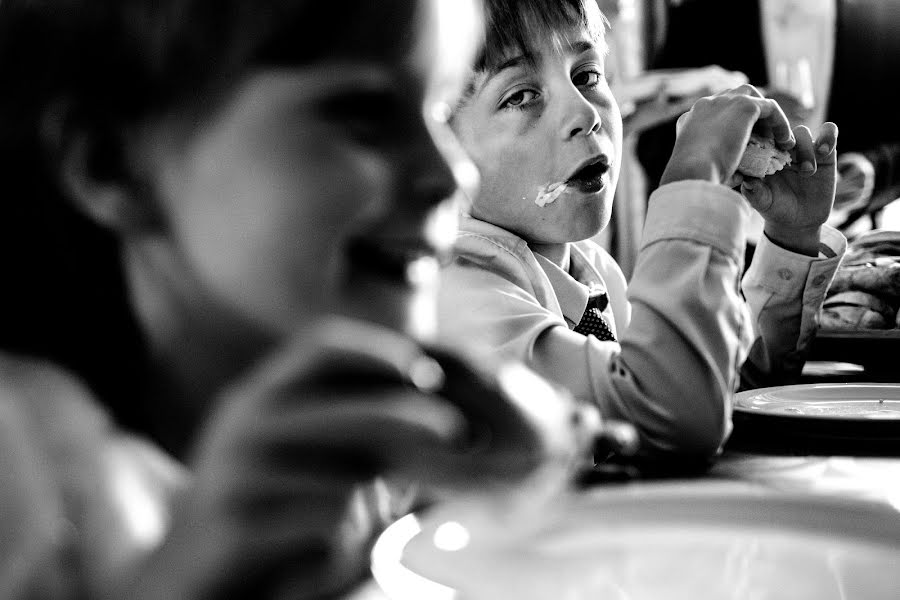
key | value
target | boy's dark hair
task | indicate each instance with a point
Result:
(512, 24)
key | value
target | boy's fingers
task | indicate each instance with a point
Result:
(679, 124)
(826, 143)
(772, 116)
(737, 178)
(748, 90)
(804, 152)
(744, 89)
(386, 418)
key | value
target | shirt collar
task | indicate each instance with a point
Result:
(575, 287)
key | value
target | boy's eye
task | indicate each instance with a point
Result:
(587, 79)
(519, 99)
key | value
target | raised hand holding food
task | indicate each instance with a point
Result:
(796, 200)
(712, 137)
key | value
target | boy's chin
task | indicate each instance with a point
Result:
(590, 227)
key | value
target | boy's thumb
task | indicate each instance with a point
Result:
(751, 184)
(755, 192)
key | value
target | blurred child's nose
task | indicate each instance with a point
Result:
(442, 166)
(431, 177)
(579, 115)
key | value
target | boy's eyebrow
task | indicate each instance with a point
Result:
(582, 46)
(515, 61)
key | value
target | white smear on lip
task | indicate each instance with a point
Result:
(549, 193)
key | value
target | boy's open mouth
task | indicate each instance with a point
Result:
(589, 178)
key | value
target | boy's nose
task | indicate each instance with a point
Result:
(580, 118)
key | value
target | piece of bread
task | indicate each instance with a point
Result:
(852, 318)
(873, 246)
(856, 310)
(877, 275)
(762, 157)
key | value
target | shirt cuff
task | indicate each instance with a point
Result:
(787, 273)
(699, 211)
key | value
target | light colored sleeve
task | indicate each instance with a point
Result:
(676, 365)
(785, 292)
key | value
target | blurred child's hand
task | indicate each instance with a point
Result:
(796, 201)
(278, 498)
(712, 136)
(106, 493)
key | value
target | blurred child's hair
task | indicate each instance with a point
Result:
(511, 25)
(129, 57)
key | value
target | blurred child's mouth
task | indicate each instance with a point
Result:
(590, 178)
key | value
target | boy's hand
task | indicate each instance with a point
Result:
(712, 136)
(797, 200)
(275, 509)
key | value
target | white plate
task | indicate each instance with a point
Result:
(652, 541)
(831, 368)
(844, 401)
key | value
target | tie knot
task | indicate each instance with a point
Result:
(598, 301)
(593, 322)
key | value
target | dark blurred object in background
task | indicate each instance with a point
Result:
(867, 59)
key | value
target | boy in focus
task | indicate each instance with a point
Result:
(666, 351)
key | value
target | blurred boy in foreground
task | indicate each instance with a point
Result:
(248, 170)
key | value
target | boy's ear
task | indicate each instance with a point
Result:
(93, 172)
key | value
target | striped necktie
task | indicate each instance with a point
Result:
(593, 322)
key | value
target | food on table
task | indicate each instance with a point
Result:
(879, 276)
(872, 253)
(857, 310)
(874, 246)
(762, 157)
(865, 292)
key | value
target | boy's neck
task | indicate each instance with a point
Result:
(558, 254)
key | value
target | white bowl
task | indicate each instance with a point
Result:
(667, 541)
